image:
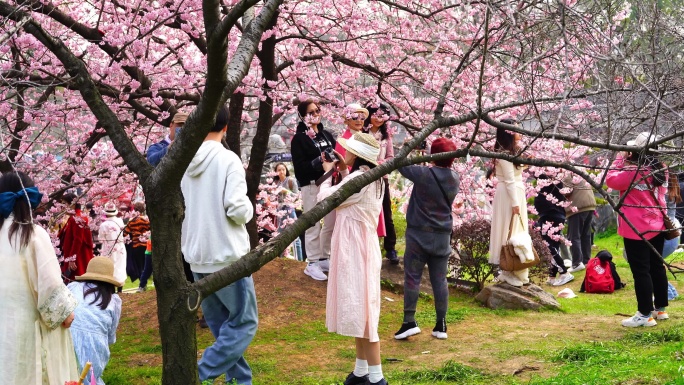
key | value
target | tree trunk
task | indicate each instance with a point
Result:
(177, 317)
(235, 108)
(260, 143)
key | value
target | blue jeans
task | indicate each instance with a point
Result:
(231, 314)
(147, 270)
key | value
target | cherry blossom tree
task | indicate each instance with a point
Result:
(88, 86)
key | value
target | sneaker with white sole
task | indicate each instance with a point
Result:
(315, 272)
(639, 320)
(579, 267)
(407, 330)
(440, 330)
(324, 265)
(660, 314)
(564, 279)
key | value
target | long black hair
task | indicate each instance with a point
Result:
(22, 223)
(287, 171)
(505, 141)
(372, 110)
(653, 164)
(102, 291)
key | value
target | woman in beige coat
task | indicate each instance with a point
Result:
(509, 200)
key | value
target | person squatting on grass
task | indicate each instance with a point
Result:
(353, 297)
(97, 315)
(428, 236)
(640, 178)
(213, 235)
(36, 307)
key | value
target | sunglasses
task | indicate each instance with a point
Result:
(314, 112)
(358, 117)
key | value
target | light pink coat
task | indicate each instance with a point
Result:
(353, 301)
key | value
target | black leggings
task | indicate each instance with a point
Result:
(557, 264)
(648, 271)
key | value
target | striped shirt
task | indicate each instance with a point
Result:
(136, 227)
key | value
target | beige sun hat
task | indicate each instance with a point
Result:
(100, 269)
(362, 145)
(180, 118)
(643, 139)
(353, 108)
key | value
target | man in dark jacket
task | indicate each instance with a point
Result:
(157, 151)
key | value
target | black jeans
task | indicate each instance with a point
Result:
(391, 235)
(648, 271)
(579, 233)
(557, 265)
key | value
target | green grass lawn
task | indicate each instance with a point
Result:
(583, 343)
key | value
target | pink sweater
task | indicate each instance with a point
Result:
(639, 205)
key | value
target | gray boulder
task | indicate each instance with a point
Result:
(505, 296)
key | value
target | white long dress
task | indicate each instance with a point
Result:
(112, 238)
(510, 192)
(352, 305)
(34, 347)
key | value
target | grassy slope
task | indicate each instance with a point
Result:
(484, 346)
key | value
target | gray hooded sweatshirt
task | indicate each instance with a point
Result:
(216, 209)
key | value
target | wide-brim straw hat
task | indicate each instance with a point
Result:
(100, 269)
(643, 139)
(362, 145)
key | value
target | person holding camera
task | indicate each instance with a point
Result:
(308, 147)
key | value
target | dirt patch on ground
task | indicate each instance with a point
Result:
(505, 344)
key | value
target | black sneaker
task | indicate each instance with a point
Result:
(392, 256)
(440, 330)
(407, 330)
(381, 382)
(353, 380)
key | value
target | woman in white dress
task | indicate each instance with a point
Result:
(37, 308)
(509, 200)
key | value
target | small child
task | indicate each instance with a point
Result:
(97, 315)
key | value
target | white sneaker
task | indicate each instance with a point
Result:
(315, 272)
(579, 267)
(324, 265)
(639, 320)
(563, 279)
(659, 314)
(567, 263)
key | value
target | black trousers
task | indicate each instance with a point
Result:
(557, 265)
(391, 235)
(648, 271)
(579, 233)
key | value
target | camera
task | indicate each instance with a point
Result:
(329, 155)
(423, 145)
